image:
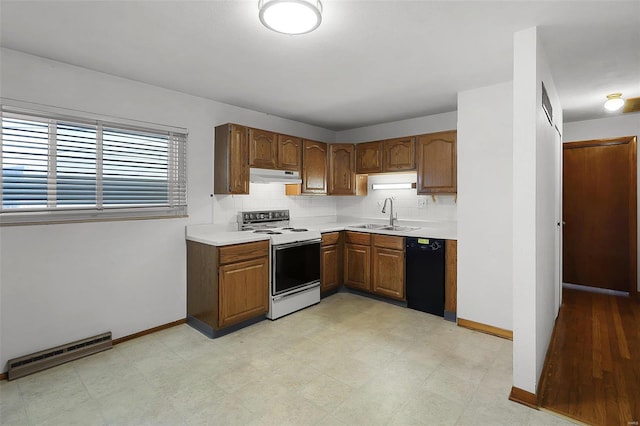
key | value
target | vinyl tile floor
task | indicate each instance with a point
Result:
(349, 360)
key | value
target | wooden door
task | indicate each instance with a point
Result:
(263, 149)
(357, 266)
(399, 155)
(437, 163)
(599, 212)
(289, 152)
(314, 167)
(369, 157)
(388, 272)
(342, 176)
(244, 290)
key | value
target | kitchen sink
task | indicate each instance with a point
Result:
(399, 228)
(385, 227)
(370, 226)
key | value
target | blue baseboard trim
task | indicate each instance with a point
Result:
(344, 289)
(450, 316)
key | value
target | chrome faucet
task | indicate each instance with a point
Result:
(384, 208)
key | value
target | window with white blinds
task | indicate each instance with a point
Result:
(60, 168)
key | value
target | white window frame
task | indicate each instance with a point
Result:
(176, 173)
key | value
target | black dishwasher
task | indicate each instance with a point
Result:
(425, 275)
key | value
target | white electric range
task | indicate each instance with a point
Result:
(295, 260)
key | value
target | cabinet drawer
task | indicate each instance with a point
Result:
(357, 238)
(388, 241)
(240, 252)
(330, 238)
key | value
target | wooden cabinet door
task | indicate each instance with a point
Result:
(243, 291)
(331, 261)
(263, 148)
(342, 176)
(357, 266)
(369, 157)
(437, 163)
(314, 167)
(231, 170)
(399, 154)
(289, 152)
(330, 269)
(388, 272)
(451, 278)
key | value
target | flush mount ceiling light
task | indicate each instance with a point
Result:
(614, 102)
(290, 16)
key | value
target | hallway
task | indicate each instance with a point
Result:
(592, 371)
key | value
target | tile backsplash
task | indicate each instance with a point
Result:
(407, 204)
(271, 196)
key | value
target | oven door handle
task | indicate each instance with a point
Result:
(297, 244)
(314, 284)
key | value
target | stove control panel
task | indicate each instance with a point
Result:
(263, 216)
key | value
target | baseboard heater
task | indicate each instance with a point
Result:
(29, 364)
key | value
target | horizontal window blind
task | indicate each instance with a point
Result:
(57, 168)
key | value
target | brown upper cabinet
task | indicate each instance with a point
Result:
(289, 152)
(392, 155)
(369, 157)
(437, 163)
(231, 171)
(342, 174)
(399, 155)
(314, 167)
(263, 149)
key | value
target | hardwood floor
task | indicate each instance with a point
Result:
(592, 372)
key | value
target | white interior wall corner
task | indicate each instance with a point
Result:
(485, 205)
(524, 209)
(536, 176)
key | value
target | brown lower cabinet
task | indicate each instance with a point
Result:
(357, 260)
(226, 285)
(330, 261)
(374, 263)
(388, 266)
(451, 279)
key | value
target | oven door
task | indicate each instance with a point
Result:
(295, 265)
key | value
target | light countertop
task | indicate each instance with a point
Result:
(222, 235)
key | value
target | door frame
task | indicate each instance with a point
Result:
(633, 199)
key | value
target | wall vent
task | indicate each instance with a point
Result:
(29, 364)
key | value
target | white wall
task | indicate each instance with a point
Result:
(271, 196)
(485, 204)
(603, 128)
(60, 283)
(393, 129)
(536, 180)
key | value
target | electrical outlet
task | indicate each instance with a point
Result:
(422, 202)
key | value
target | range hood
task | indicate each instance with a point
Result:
(274, 176)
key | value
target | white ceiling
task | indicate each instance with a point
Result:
(369, 62)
